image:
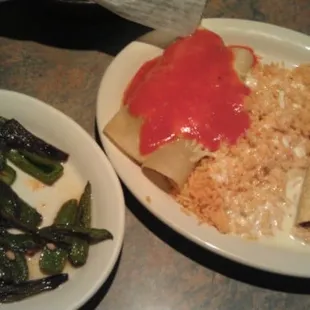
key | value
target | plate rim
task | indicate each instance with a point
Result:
(117, 186)
(222, 23)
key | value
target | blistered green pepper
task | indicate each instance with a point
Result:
(53, 257)
(43, 169)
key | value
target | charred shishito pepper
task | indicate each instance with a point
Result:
(7, 174)
(18, 137)
(43, 169)
(3, 149)
(14, 266)
(21, 242)
(16, 211)
(28, 152)
(80, 247)
(15, 292)
(54, 257)
(91, 235)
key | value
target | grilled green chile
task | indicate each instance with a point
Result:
(43, 169)
(16, 211)
(18, 137)
(16, 292)
(53, 257)
(79, 251)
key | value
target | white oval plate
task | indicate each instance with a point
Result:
(86, 162)
(272, 43)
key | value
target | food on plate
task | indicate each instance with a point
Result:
(303, 211)
(41, 168)
(252, 188)
(79, 251)
(53, 260)
(17, 137)
(19, 291)
(16, 211)
(229, 132)
(7, 174)
(67, 239)
(164, 126)
(28, 152)
(21, 234)
(302, 220)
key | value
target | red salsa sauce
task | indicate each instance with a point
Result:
(190, 91)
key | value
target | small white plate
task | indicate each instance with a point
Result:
(270, 42)
(86, 162)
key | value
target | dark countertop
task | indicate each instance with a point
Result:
(58, 53)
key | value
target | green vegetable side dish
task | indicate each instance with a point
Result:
(80, 248)
(2, 154)
(15, 136)
(6, 268)
(91, 235)
(29, 153)
(24, 243)
(14, 266)
(66, 241)
(53, 258)
(43, 169)
(84, 209)
(79, 252)
(67, 213)
(2, 120)
(7, 174)
(13, 209)
(29, 216)
(20, 267)
(19, 291)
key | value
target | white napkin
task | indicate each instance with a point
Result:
(178, 16)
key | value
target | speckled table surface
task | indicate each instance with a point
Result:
(58, 54)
